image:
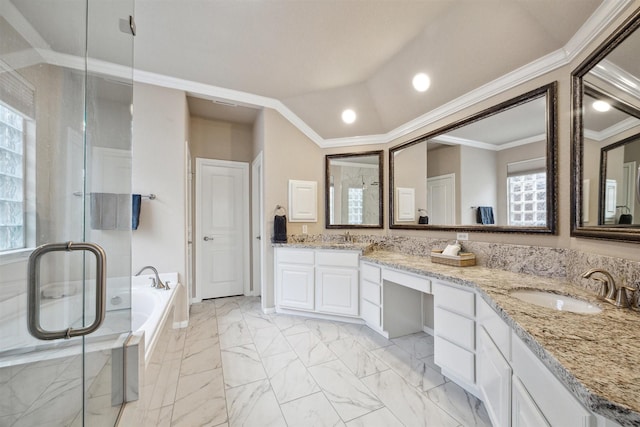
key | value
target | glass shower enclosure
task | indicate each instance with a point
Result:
(65, 210)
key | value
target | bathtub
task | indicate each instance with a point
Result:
(149, 310)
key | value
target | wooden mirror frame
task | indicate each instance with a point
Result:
(327, 183)
(549, 91)
(577, 166)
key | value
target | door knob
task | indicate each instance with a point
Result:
(207, 238)
(258, 237)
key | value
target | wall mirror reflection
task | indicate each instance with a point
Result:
(353, 190)
(606, 138)
(493, 171)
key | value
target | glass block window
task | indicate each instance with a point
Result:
(355, 205)
(12, 180)
(527, 199)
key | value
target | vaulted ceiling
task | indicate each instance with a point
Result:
(319, 57)
(311, 59)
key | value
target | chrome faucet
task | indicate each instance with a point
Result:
(616, 295)
(157, 283)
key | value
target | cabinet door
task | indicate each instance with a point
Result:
(494, 380)
(295, 286)
(525, 413)
(303, 201)
(337, 290)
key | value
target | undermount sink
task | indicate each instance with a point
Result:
(556, 301)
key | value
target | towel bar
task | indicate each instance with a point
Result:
(150, 196)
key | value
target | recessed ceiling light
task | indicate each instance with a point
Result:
(348, 116)
(421, 82)
(601, 106)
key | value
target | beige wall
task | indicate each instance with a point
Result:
(160, 130)
(218, 140)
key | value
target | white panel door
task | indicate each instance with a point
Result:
(222, 228)
(441, 200)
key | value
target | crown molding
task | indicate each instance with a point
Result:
(623, 80)
(597, 22)
(611, 131)
(224, 94)
(595, 25)
(453, 140)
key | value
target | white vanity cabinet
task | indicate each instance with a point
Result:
(455, 333)
(515, 386)
(317, 280)
(337, 282)
(295, 278)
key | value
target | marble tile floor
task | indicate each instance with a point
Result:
(235, 366)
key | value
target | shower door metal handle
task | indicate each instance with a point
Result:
(35, 328)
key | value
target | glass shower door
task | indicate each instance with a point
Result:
(65, 146)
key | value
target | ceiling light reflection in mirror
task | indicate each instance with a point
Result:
(348, 116)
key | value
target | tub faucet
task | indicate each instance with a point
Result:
(157, 283)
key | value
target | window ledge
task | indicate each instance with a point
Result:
(17, 255)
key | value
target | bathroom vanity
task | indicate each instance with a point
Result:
(319, 281)
(532, 366)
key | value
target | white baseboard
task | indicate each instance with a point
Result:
(313, 315)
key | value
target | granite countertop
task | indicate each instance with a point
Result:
(596, 356)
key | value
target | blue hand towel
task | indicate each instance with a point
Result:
(484, 215)
(136, 200)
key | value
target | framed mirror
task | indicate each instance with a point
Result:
(353, 190)
(605, 156)
(494, 171)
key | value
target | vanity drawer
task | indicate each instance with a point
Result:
(455, 359)
(418, 283)
(371, 292)
(455, 299)
(337, 258)
(370, 313)
(370, 273)
(295, 256)
(455, 328)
